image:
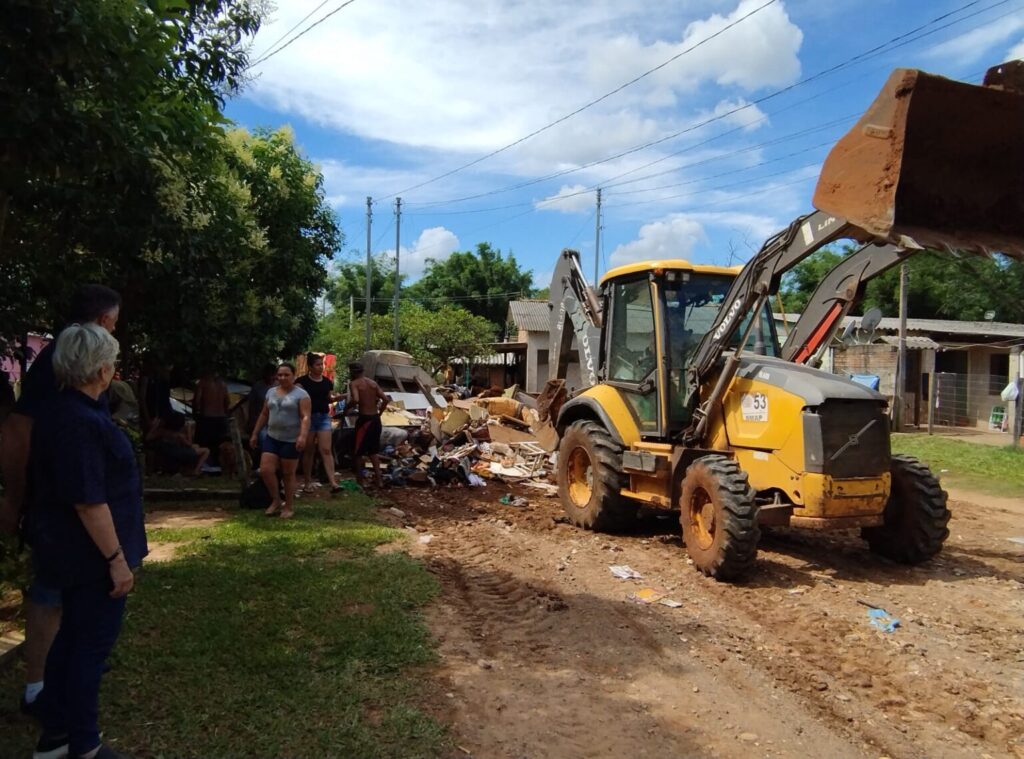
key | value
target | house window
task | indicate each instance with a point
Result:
(998, 372)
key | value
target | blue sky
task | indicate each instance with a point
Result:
(386, 95)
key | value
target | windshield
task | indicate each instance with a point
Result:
(692, 302)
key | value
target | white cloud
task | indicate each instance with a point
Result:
(435, 243)
(974, 45)
(741, 114)
(675, 236)
(466, 77)
(1016, 52)
(569, 199)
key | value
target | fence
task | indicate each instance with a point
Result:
(969, 400)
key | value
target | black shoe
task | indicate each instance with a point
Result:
(34, 709)
(51, 747)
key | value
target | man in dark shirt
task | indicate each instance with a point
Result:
(92, 303)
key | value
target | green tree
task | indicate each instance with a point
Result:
(350, 281)
(482, 281)
(942, 286)
(236, 258)
(433, 337)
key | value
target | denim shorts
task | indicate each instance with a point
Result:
(41, 594)
(320, 422)
(280, 448)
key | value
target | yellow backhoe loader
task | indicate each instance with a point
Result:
(687, 400)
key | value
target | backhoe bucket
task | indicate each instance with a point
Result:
(935, 160)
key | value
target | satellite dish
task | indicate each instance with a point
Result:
(870, 320)
(849, 330)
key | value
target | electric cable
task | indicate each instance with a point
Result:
(300, 35)
(584, 107)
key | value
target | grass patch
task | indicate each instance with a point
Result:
(270, 638)
(984, 468)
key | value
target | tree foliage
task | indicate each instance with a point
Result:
(350, 281)
(434, 337)
(942, 286)
(480, 281)
(125, 174)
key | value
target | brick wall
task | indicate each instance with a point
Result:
(878, 359)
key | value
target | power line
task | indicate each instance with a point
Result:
(584, 107)
(767, 143)
(860, 57)
(271, 53)
(283, 36)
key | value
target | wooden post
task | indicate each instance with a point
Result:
(931, 401)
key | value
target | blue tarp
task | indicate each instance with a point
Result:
(868, 380)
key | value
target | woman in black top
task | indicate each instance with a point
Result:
(321, 394)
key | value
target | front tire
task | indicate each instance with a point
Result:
(916, 516)
(590, 478)
(719, 517)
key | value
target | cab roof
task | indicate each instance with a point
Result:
(678, 264)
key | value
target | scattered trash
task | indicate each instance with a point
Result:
(350, 485)
(513, 500)
(397, 512)
(424, 539)
(646, 596)
(1017, 540)
(670, 603)
(625, 572)
(882, 620)
(796, 592)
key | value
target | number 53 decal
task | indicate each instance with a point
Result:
(754, 407)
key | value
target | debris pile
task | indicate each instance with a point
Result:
(470, 442)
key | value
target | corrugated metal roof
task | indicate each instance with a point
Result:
(531, 315)
(914, 342)
(943, 326)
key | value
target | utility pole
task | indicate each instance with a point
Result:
(597, 237)
(1018, 405)
(369, 271)
(901, 371)
(398, 247)
(351, 311)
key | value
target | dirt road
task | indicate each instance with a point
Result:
(544, 656)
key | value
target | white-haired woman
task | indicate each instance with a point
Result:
(86, 529)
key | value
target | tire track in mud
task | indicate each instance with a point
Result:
(957, 662)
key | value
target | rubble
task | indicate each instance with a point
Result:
(471, 442)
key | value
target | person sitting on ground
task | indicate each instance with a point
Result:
(321, 395)
(85, 524)
(168, 439)
(366, 399)
(286, 416)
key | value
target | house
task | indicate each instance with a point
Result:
(972, 362)
(532, 320)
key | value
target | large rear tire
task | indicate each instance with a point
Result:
(719, 517)
(915, 515)
(590, 478)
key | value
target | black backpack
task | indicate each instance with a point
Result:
(254, 495)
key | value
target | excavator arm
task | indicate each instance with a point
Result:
(835, 295)
(932, 162)
(575, 312)
(757, 280)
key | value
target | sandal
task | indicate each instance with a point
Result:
(287, 514)
(272, 509)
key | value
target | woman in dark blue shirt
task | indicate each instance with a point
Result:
(85, 525)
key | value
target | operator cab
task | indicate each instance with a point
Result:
(656, 313)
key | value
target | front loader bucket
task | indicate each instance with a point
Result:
(936, 160)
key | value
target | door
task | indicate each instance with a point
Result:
(631, 351)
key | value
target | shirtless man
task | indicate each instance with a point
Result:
(211, 405)
(366, 398)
